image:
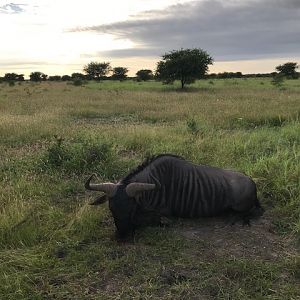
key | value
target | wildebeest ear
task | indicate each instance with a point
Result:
(99, 200)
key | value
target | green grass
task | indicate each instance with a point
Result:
(53, 245)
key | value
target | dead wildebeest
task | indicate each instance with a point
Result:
(167, 185)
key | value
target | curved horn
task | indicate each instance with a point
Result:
(133, 188)
(108, 188)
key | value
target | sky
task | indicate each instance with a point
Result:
(60, 37)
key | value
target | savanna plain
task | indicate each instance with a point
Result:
(54, 245)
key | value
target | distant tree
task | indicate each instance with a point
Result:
(44, 77)
(289, 70)
(144, 75)
(78, 76)
(10, 77)
(66, 78)
(13, 77)
(185, 65)
(54, 78)
(97, 70)
(119, 73)
(20, 77)
(225, 75)
(38, 76)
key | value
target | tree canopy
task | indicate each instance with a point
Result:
(185, 65)
(144, 74)
(80, 76)
(119, 73)
(288, 69)
(13, 77)
(54, 78)
(96, 70)
(38, 76)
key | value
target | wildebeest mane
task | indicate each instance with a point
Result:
(144, 164)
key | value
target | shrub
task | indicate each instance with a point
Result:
(84, 155)
(77, 82)
(278, 80)
(192, 126)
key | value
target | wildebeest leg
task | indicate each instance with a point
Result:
(243, 210)
(248, 209)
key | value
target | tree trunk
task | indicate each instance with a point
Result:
(182, 83)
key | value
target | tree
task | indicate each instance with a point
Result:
(119, 73)
(144, 75)
(185, 65)
(66, 78)
(10, 77)
(20, 77)
(54, 78)
(80, 76)
(97, 70)
(288, 69)
(13, 77)
(37, 76)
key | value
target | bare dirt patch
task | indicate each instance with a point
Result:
(218, 238)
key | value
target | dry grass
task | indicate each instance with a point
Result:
(54, 246)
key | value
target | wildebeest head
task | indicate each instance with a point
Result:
(122, 201)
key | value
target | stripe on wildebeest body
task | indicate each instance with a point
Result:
(167, 185)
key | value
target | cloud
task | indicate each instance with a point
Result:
(12, 8)
(229, 30)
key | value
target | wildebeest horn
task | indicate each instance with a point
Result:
(108, 188)
(133, 188)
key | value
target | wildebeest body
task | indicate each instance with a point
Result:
(189, 190)
(168, 185)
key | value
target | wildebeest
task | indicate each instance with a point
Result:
(167, 185)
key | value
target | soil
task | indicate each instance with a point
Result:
(259, 240)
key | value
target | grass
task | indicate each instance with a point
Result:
(53, 135)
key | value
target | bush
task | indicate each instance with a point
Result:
(192, 126)
(85, 155)
(278, 80)
(77, 82)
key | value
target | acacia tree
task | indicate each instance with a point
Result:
(66, 77)
(144, 74)
(13, 77)
(37, 76)
(54, 78)
(119, 73)
(96, 70)
(78, 76)
(185, 65)
(288, 69)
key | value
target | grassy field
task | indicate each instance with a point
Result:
(53, 245)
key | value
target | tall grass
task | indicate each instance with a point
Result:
(53, 135)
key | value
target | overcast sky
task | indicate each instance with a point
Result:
(61, 36)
